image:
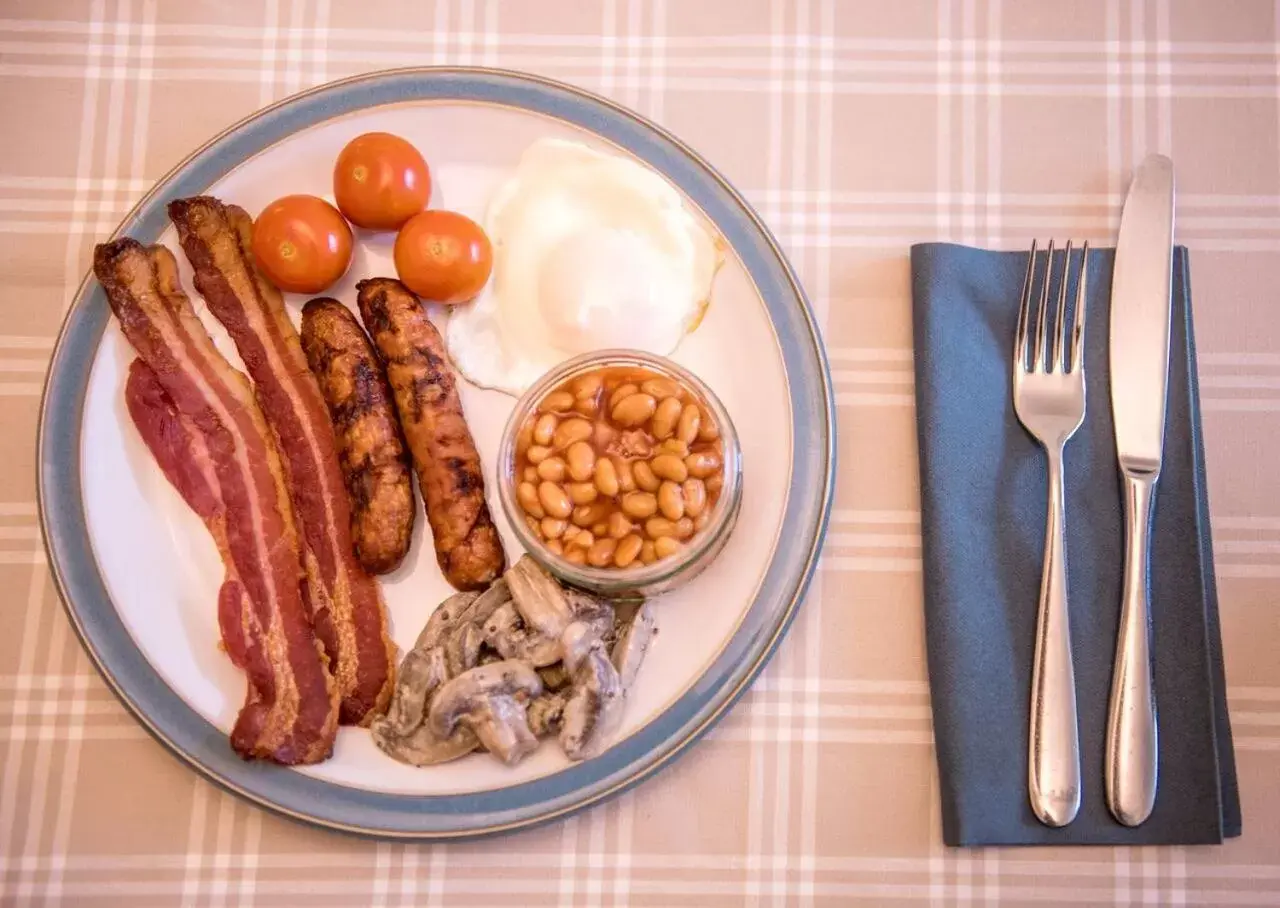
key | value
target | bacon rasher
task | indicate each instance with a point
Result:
(346, 604)
(198, 416)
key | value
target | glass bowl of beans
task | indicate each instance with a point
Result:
(620, 473)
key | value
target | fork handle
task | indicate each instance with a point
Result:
(1131, 724)
(1053, 777)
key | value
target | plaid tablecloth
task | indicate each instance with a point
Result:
(856, 127)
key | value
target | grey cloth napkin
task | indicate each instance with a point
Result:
(983, 503)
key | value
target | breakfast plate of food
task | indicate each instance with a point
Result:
(435, 453)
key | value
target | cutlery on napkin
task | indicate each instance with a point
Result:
(982, 519)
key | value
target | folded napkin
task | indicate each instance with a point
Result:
(983, 503)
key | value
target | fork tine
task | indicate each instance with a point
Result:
(1024, 313)
(1082, 296)
(1058, 349)
(1040, 358)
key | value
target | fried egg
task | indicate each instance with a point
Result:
(591, 251)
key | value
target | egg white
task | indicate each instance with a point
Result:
(591, 251)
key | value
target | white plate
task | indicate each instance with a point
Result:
(161, 572)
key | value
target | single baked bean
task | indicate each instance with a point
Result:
(588, 385)
(582, 460)
(660, 387)
(708, 430)
(584, 540)
(590, 514)
(715, 483)
(674, 446)
(695, 497)
(553, 527)
(624, 390)
(600, 529)
(656, 527)
(665, 546)
(668, 466)
(533, 525)
(619, 525)
(671, 500)
(626, 476)
(702, 464)
(684, 528)
(582, 492)
(575, 555)
(604, 434)
(647, 553)
(569, 431)
(538, 453)
(545, 428)
(555, 546)
(586, 407)
(554, 500)
(700, 522)
(690, 422)
(552, 469)
(601, 552)
(634, 410)
(606, 477)
(645, 478)
(556, 402)
(569, 532)
(527, 495)
(639, 505)
(665, 417)
(531, 475)
(627, 551)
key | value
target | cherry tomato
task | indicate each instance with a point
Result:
(380, 181)
(443, 256)
(302, 244)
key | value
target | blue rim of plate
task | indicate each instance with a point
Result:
(188, 735)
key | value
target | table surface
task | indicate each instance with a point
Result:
(856, 129)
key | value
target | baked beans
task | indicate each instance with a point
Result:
(619, 466)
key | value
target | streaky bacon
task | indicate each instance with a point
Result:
(199, 418)
(346, 604)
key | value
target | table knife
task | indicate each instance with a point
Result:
(1139, 356)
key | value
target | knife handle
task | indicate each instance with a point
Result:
(1132, 745)
(1053, 781)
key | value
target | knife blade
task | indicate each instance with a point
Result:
(1141, 309)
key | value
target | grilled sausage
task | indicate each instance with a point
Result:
(370, 448)
(467, 543)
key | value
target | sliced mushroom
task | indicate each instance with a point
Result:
(633, 642)
(507, 632)
(421, 747)
(546, 713)
(403, 733)
(421, 672)
(497, 595)
(541, 601)
(594, 708)
(575, 642)
(490, 700)
(462, 650)
(444, 619)
(504, 731)
(596, 612)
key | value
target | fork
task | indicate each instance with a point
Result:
(1048, 396)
